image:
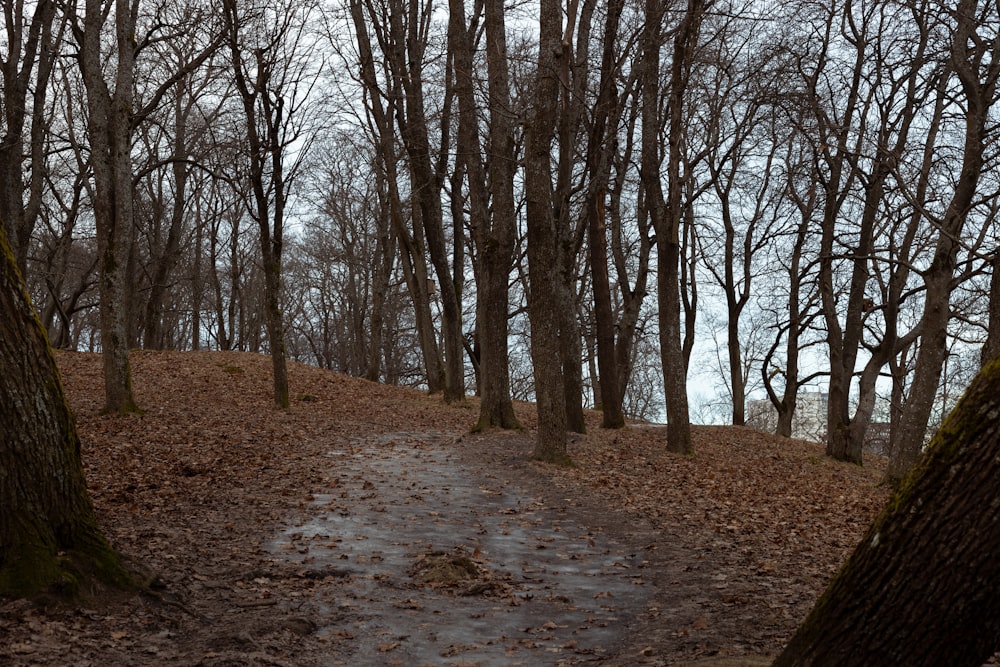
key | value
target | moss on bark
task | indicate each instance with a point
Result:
(77, 566)
(50, 545)
(921, 588)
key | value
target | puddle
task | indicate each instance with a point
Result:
(562, 594)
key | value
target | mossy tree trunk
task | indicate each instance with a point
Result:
(49, 539)
(923, 588)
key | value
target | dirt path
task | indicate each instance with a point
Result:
(442, 565)
(365, 526)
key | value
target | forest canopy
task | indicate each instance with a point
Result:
(585, 203)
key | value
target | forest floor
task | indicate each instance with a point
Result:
(367, 526)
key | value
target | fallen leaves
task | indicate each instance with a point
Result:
(757, 524)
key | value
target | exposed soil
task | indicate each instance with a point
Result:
(366, 526)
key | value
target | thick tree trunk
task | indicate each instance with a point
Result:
(923, 588)
(49, 539)
(543, 239)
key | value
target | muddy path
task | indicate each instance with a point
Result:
(441, 563)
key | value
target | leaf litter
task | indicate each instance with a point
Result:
(262, 530)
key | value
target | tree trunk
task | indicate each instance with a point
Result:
(835, 157)
(425, 180)
(414, 263)
(110, 158)
(571, 352)
(29, 42)
(164, 264)
(49, 539)
(665, 216)
(263, 93)
(543, 240)
(992, 345)
(632, 295)
(572, 74)
(381, 277)
(493, 235)
(978, 71)
(797, 313)
(599, 150)
(496, 253)
(923, 588)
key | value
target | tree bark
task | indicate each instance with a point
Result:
(599, 150)
(923, 588)
(543, 240)
(29, 42)
(666, 215)
(49, 539)
(496, 243)
(110, 118)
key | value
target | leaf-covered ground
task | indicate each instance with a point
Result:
(210, 486)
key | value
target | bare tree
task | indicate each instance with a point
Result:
(742, 146)
(493, 228)
(274, 71)
(383, 103)
(404, 36)
(606, 112)
(975, 44)
(665, 214)
(113, 113)
(31, 46)
(175, 151)
(544, 301)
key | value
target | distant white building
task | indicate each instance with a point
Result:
(808, 423)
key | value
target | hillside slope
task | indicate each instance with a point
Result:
(739, 538)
